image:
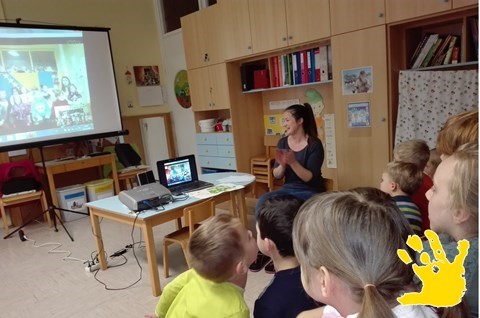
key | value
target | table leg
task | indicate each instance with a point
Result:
(97, 233)
(116, 184)
(233, 204)
(242, 205)
(152, 260)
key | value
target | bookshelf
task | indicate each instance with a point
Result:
(297, 67)
(404, 38)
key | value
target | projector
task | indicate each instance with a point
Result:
(144, 197)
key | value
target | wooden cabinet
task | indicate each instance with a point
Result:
(209, 88)
(463, 3)
(362, 153)
(201, 32)
(276, 24)
(348, 15)
(235, 21)
(397, 10)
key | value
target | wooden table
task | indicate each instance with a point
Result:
(111, 208)
(64, 166)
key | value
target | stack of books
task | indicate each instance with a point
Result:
(436, 49)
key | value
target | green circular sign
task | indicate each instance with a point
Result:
(182, 89)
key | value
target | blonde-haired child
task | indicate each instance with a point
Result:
(453, 210)
(400, 180)
(220, 252)
(346, 243)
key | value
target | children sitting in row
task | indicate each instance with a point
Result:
(400, 180)
(346, 243)
(284, 296)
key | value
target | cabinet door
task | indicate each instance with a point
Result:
(307, 20)
(235, 19)
(268, 24)
(463, 3)
(398, 10)
(199, 82)
(362, 153)
(212, 34)
(194, 45)
(201, 37)
(219, 93)
(350, 15)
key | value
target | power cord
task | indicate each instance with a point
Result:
(54, 250)
(121, 253)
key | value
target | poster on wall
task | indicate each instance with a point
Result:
(182, 89)
(357, 81)
(359, 114)
(147, 80)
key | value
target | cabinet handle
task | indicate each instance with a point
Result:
(205, 57)
(284, 39)
(380, 15)
(249, 47)
(290, 37)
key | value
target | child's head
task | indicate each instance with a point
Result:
(401, 176)
(459, 129)
(221, 247)
(432, 163)
(453, 199)
(415, 151)
(275, 222)
(346, 243)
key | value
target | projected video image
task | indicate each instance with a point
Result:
(178, 172)
(43, 84)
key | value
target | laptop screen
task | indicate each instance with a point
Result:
(177, 171)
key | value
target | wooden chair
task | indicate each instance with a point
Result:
(261, 166)
(19, 199)
(192, 215)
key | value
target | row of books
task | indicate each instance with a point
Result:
(436, 49)
(306, 66)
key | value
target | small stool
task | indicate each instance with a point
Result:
(22, 198)
(261, 167)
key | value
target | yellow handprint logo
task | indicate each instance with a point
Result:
(437, 274)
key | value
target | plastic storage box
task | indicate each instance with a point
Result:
(72, 198)
(99, 189)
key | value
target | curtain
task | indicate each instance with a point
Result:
(428, 98)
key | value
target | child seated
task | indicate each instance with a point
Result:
(284, 296)
(417, 152)
(346, 243)
(220, 252)
(401, 180)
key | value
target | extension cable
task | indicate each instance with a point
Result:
(93, 268)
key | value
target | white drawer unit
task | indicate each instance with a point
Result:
(216, 151)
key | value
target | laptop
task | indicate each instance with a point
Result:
(179, 175)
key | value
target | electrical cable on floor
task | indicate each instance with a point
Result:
(54, 250)
(120, 253)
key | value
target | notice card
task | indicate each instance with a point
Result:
(215, 190)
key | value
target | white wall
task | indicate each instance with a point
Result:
(173, 54)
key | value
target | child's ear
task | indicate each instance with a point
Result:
(461, 216)
(325, 281)
(241, 268)
(270, 245)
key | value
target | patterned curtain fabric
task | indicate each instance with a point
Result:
(428, 98)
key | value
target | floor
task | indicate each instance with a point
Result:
(45, 276)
